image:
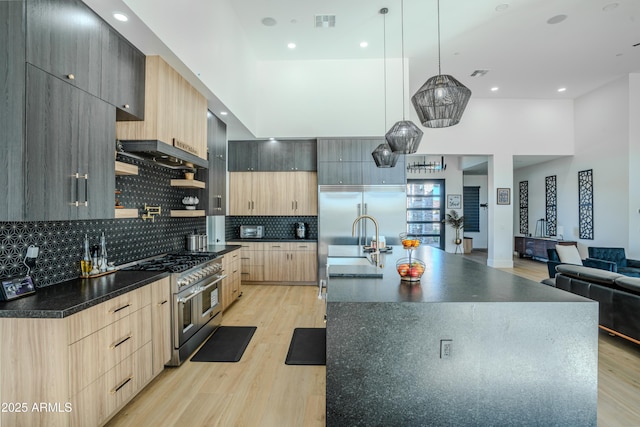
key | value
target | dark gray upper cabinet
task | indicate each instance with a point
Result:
(64, 39)
(12, 44)
(340, 150)
(69, 167)
(344, 161)
(123, 75)
(214, 196)
(278, 156)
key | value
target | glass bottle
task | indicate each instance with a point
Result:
(85, 263)
(103, 254)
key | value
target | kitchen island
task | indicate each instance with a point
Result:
(467, 345)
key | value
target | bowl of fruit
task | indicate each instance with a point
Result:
(410, 270)
(409, 242)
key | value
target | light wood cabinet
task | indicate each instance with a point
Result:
(174, 111)
(89, 365)
(161, 323)
(273, 193)
(252, 262)
(279, 262)
(291, 262)
(231, 285)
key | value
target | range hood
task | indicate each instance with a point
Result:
(162, 154)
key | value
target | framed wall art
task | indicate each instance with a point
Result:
(454, 201)
(504, 196)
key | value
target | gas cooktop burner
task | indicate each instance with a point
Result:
(174, 263)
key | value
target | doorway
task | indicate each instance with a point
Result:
(425, 210)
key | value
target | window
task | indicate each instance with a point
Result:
(471, 208)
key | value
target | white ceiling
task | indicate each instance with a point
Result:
(526, 56)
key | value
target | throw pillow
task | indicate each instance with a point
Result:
(569, 254)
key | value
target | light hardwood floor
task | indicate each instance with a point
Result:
(261, 390)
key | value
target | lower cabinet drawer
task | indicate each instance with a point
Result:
(94, 355)
(104, 397)
(90, 320)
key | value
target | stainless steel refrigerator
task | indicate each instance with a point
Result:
(340, 205)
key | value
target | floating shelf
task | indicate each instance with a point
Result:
(126, 213)
(187, 213)
(126, 169)
(187, 183)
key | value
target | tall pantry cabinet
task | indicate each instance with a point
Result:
(57, 110)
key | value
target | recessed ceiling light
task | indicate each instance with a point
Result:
(223, 113)
(502, 7)
(268, 21)
(556, 19)
(120, 16)
(291, 45)
(562, 89)
(364, 44)
(610, 7)
(494, 89)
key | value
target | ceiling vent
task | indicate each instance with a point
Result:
(479, 73)
(325, 21)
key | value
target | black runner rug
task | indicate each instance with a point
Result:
(227, 344)
(308, 347)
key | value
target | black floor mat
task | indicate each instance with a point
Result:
(308, 347)
(227, 344)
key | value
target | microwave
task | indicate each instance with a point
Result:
(251, 231)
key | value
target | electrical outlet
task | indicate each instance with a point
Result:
(445, 349)
(32, 251)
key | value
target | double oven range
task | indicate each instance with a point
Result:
(196, 309)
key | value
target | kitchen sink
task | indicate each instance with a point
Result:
(348, 261)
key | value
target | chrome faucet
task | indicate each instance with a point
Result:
(375, 223)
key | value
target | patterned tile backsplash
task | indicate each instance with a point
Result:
(61, 242)
(275, 227)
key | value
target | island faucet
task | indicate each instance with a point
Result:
(375, 223)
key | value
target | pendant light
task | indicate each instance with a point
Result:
(441, 101)
(382, 155)
(404, 136)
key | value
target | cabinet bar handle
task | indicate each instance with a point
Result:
(122, 341)
(124, 383)
(77, 177)
(164, 302)
(115, 310)
(86, 189)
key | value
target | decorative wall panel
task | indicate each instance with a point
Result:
(128, 240)
(524, 207)
(551, 205)
(585, 204)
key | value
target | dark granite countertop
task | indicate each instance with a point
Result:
(67, 298)
(469, 345)
(447, 278)
(222, 249)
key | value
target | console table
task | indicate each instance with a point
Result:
(536, 247)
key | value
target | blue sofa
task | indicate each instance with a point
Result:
(621, 264)
(554, 261)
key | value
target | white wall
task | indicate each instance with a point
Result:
(602, 135)
(634, 166)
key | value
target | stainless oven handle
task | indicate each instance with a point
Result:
(218, 279)
(200, 290)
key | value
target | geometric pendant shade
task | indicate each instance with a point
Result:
(404, 137)
(384, 157)
(441, 101)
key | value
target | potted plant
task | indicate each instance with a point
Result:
(456, 222)
(189, 173)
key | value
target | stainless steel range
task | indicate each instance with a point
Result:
(196, 311)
